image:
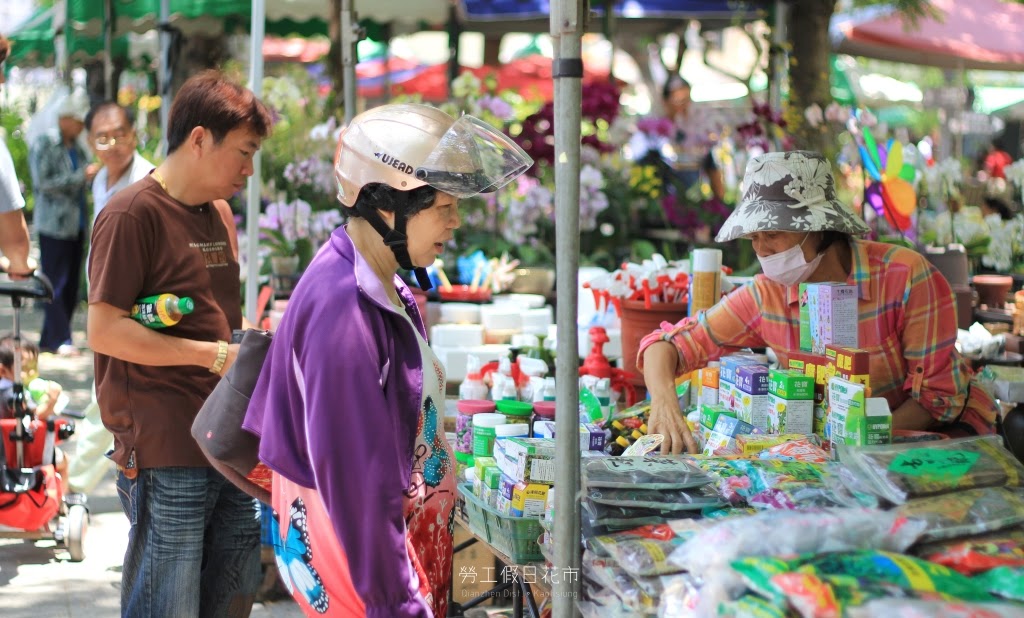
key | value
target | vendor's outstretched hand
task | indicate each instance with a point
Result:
(667, 419)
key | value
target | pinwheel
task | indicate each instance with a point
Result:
(889, 192)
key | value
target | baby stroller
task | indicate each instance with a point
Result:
(32, 504)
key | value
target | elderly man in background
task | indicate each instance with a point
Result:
(111, 130)
(14, 238)
(60, 173)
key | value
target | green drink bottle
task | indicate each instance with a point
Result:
(162, 310)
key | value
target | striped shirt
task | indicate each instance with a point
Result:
(907, 323)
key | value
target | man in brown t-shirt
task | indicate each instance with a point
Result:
(193, 548)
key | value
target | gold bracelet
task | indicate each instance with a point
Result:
(222, 355)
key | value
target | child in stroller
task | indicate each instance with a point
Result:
(43, 398)
(31, 496)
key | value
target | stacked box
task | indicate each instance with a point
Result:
(529, 500)
(752, 395)
(878, 421)
(806, 339)
(815, 366)
(709, 386)
(592, 437)
(727, 368)
(851, 364)
(832, 314)
(527, 460)
(846, 412)
(790, 402)
(722, 438)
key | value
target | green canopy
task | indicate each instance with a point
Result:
(33, 41)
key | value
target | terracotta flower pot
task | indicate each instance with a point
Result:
(992, 289)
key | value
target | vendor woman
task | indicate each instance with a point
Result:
(802, 233)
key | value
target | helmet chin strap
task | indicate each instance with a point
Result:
(396, 240)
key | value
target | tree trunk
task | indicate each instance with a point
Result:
(809, 67)
(334, 68)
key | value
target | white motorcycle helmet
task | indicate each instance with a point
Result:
(407, 146)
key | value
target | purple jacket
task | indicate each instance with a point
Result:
(337, 409)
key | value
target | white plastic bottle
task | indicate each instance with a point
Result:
(473, 386)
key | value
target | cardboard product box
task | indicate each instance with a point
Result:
(851, 364)
(504, 506)
(846, 413)
(709, 415)
(477, 561)
(820, 421)
(592, 437)
(752, 395)
(730, 426)
(833, 315)
(506, 486)
(877, 421)
(790, 402)
(492, 477)
(709, 386)
(806, 338)
(815, 366)
(529, 500)
(527, 460)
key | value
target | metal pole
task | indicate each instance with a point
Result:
(252, 210)
(454, 31)
(567, 71)
(164, 90)
(108, 47)
(349, 38)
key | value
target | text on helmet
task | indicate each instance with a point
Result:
(394, 162)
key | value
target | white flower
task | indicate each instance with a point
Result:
(868, 119)
(837, 113)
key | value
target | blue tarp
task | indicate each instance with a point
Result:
(491, 10)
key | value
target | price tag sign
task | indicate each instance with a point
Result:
(934, 463)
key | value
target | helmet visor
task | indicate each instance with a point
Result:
(473, 157)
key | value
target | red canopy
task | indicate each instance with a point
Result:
(974, 34)
(530, 75)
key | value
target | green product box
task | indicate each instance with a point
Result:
(877, 421)
(527, 460)
(492, 477)
(806, 336)
(709, 414)
(790, 384)
(846, 413)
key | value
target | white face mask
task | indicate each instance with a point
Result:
(789, 267)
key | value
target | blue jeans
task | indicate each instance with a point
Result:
(193, 546)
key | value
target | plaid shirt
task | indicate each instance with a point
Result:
(907, 323)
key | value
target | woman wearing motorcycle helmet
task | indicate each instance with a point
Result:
(350, 402)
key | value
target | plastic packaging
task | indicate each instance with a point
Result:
(643, 551)
(660, 499)
(899, 472)
(466, 410)
(613, 577)
(483, 433)
(1006, 582)
(650, 472)
(977, 554)
(808, 531)
(918, 608)
(829, 584)
(963, 513)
